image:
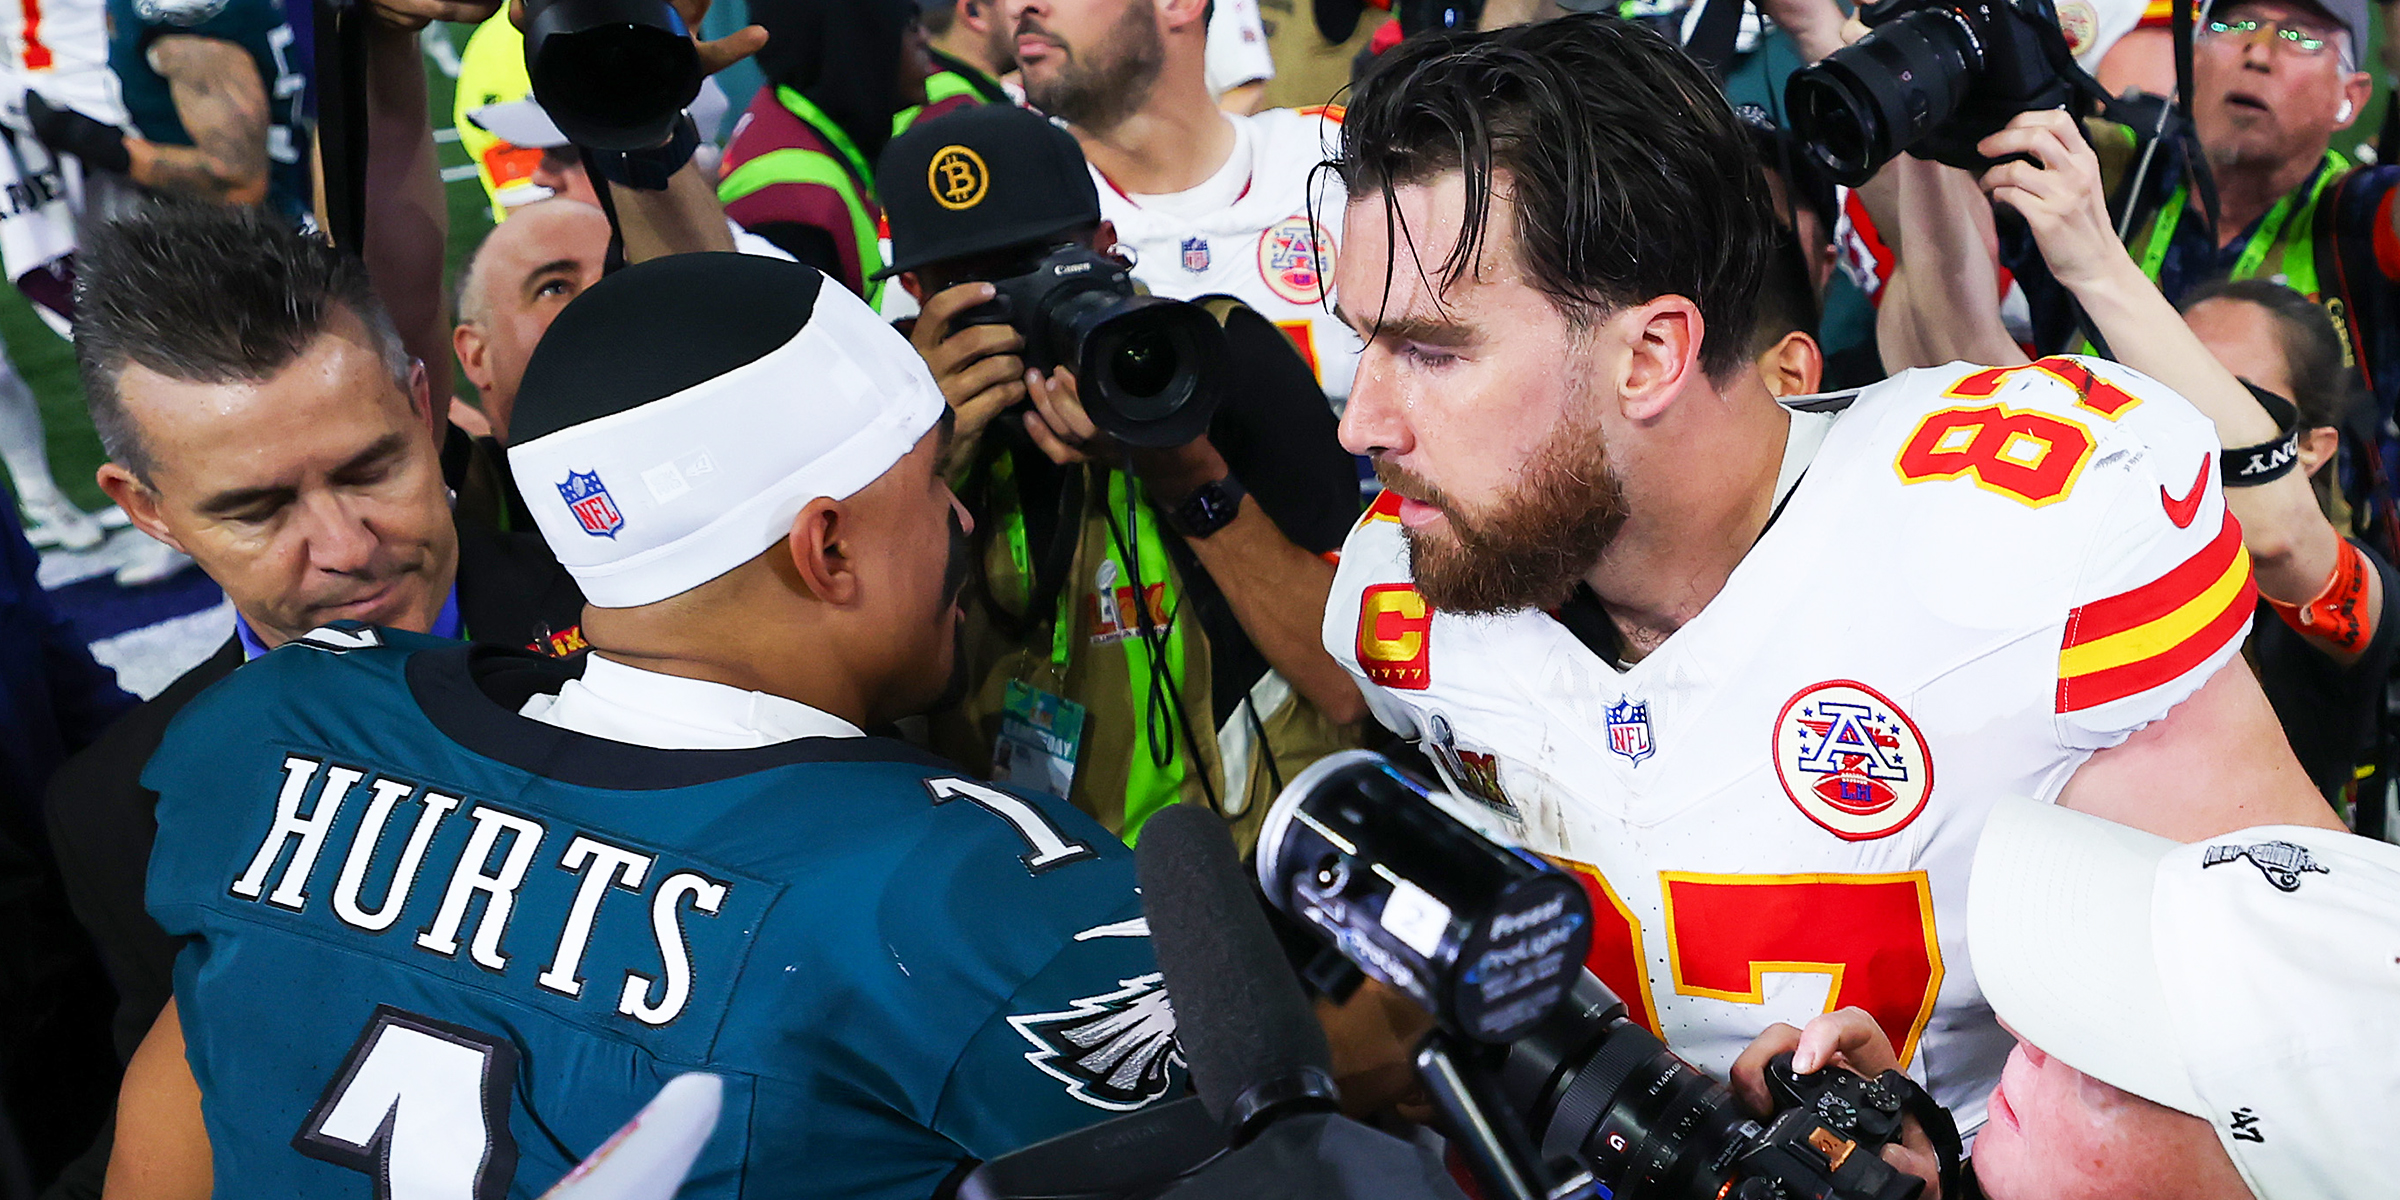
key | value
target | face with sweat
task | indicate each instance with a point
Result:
(911, 553)
(1473, 400)
(1090, 63)
(310, 496)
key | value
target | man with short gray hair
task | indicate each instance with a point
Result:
(260, 414)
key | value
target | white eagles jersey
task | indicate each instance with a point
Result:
(1984, 576)
(1263, 248)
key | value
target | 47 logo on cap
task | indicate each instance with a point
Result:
(1394, 630)
(589, 500)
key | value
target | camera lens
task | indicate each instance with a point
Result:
(1598, 1085)
(1868, 101)
(614, 74)
(1144, 364)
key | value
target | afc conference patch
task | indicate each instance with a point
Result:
(1851, 760)
(1294, 259)
(589, 500)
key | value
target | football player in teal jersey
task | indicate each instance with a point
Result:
(214, 88)
(456, 912)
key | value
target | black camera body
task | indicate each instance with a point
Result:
(1354, 833)
(612, 74)
(1932, 78)
(1150, 370)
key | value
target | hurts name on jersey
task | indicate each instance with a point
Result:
(368, 848)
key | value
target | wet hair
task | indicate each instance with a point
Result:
(1631, 177)
(208, 293)
(2323, 387)
(1787, 300)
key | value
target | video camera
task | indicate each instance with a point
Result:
(1150, 370)
(1933, 78)
(1544, 1085)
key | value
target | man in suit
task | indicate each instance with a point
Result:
(260, 414)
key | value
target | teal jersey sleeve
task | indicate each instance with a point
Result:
(261, 29)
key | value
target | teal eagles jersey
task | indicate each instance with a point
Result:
(440, 951)
(257, 26)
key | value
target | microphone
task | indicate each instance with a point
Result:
(1251, 1041)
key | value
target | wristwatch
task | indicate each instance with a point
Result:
(1210, 507)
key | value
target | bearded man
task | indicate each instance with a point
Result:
(1210, 202)
(1757, 672)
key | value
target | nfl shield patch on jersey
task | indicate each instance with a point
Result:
(1851, 760)
(1195, 254)
(1629, 730)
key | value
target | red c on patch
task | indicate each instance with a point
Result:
(1394, 636)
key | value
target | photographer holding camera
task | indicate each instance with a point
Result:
(1758, 672)
(2144, 1069)
(1143, 622)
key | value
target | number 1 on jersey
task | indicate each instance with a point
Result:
(421, 1107)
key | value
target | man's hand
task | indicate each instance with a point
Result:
(413, 15)
(2061, 199)
(977, 366)
(1850, 1040)
(100, 145)
(1815, 26)
(1066, 433)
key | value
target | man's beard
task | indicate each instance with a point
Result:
(1098, 86)
(1551, 529)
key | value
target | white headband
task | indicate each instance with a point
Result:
(656, 500)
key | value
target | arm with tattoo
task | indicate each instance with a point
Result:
(222, 102)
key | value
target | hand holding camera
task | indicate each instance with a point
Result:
(2058, 193)
(978, 367)
(1846, 1040)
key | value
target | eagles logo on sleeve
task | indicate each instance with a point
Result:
(1116, 1050)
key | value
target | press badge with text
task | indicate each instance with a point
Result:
(1041, 736)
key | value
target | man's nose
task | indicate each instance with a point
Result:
(1371, 421)
(339, 539)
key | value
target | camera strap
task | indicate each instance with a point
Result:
(1940, 1127)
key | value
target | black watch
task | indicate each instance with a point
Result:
(1208, 509)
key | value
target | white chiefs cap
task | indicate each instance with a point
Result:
(680, 412)
(2251, 980)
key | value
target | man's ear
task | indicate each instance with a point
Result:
(821, 553)
(474, 354)
(420, 401)
(976, 15)
(2356, 90)
(1177, 15)
(135, 497)
(1794, 366)
(1662, 339)
(2317, 447)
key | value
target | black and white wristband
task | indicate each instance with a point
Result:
(2250, 466)
(649, 170)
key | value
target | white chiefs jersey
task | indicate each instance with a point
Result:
(60, 49)
(1263, 249)
(1984, 576)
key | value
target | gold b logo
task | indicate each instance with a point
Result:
(957, 178)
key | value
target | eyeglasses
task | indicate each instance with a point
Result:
(2290, 38)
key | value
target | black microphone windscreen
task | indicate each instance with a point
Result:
(1240, 1015)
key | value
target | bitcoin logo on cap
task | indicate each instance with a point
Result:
(958, 178)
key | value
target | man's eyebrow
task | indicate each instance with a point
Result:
(554, 266)
(381, 448)
(1430, 331)
(241, 499)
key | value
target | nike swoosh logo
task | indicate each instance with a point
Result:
(2182, 509)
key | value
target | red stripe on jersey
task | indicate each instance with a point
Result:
(1385, 508)
(2116, 683)
(2171, 591)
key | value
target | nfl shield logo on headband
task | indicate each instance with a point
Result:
(588, 499)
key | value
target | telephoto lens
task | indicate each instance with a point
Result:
(613, 74)
(1150, 371)
(1486, 937)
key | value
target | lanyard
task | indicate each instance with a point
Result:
(807, 110)
(2301, 276)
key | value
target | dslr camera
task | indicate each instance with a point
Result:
(1491, 940)
(613, 74)
(1150, 371)
(1933, 78)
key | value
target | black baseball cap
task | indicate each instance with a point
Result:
(981, 179)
